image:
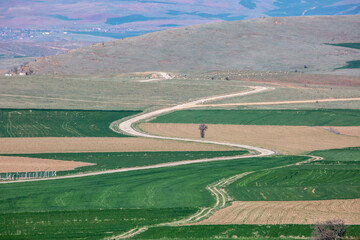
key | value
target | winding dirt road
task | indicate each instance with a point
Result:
(127, 128)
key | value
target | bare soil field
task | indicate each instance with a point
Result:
(24, 164)
(94, 144)
(351, 131)
(287, 212)
(284, 139)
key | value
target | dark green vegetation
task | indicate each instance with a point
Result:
(289, 231)
(348, 45)
(59, 123)
(335, 177)
(322, 117)
(86, 224)
(114, 160)
(351, 64)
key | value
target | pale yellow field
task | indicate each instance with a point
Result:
(284, 139)
(287, 212)
(58, 145)
(24, 164)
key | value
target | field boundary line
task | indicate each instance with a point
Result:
(55, 98)
(280, 102)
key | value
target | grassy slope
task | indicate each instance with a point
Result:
(102, 92)
(337, 177)
(115, 160)
(265, 44)
(85, 224)
(326, 117)
(59, 123)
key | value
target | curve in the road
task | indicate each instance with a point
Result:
(127, 125)
(127, 128)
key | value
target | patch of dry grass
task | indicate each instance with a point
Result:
(24, 164)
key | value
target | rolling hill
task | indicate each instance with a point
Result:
(262, 44)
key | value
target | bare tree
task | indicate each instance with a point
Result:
(202, 128)
(14, 70)
(329, 230)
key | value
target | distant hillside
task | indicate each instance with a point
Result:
(264, 44)
(17, 53)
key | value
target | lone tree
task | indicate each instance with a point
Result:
(202, 128)
(329, 230)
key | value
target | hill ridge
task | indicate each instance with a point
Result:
(263, 44)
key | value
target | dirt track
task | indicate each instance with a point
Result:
(127, 127)
(23, 164)
(280, 102)
(287, 212)
(285, 139)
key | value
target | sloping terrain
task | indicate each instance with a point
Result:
(265, 44)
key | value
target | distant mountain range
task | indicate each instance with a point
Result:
(154, 15)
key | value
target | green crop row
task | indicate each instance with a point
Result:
(181, 186)
(323, 117)
(335, 177)
(86, 224)
(59, 123)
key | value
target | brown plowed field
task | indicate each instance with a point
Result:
(351, 131)
(23, 164)
(287, 212)
(284, 139)
(58, 145)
